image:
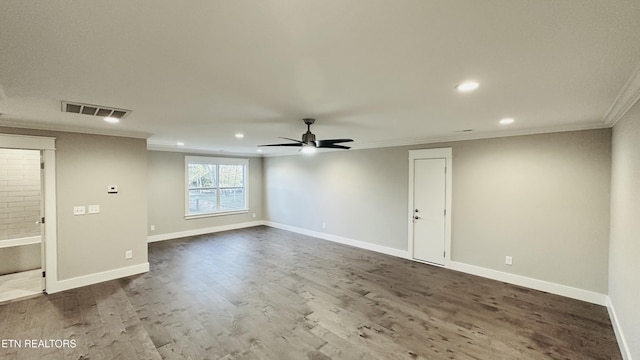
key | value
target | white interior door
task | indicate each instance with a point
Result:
(429, 210)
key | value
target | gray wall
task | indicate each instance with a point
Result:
(359, 194)
(85, 166)
(624, 260)
(542, 199)
(166, 195)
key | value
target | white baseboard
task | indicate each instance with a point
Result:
(91, 279)
(209, 230)
(622, 341)
(342, 240)
(563, 290)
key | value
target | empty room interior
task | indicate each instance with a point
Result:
(320, 179)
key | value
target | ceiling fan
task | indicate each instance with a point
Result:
(309, 142)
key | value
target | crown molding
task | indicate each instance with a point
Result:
(481, 135)
(180, 149)
(21, 124)
(356, 146)
(627, 97)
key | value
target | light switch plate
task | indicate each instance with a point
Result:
(94, 209)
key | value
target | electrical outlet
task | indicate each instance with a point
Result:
(508, 260)
(94, 209)
(254, 215)
(324, 226)
(152, 228)
(78, 210)
(128, 254)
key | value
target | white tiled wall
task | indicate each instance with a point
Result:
(19, 193)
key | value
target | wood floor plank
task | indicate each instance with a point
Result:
(264, 293)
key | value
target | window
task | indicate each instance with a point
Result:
(215, 186)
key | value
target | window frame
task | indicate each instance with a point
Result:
(216, 161)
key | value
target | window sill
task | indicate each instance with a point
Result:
(219, 213)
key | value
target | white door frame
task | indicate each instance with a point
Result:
(440, 153)
(47, 146)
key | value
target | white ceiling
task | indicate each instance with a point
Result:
(379, 71)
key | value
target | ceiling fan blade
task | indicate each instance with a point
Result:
(298, 141)
(332, 141)
(331, 146)
(296, 145)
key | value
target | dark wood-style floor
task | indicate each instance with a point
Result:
(263, 293)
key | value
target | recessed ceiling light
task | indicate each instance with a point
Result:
(180, 143)
(112, 120)
(239, 135)
(467, 86)
(506, 121)
(259, 150)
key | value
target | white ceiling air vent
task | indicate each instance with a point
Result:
(96, 110)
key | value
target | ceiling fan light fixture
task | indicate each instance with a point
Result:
(308, 149)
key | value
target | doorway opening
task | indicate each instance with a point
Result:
(27, 215)
(21, 255)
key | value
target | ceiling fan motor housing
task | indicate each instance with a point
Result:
(309, 138)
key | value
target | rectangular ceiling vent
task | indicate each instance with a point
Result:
(95, 110)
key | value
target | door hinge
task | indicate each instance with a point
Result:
(41, 166)
(445, 211)
(41, 220)
(44, 274)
